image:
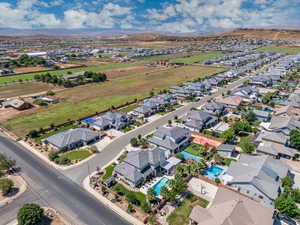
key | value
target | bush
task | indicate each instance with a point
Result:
(62, 160)
(6, 185)
(30, 214)
(50, 93)
(33, 134)
(53, 155)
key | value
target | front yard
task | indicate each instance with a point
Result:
(119, 188)
(77, 155)
(108, 171)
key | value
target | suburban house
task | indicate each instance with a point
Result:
(115, 120)
(227, 151)
(230, 101)
(276, 150)
(231, 208)
(258, 177)
(171, 139)
(261, 81)
(215, 108)
(17, 104)
(199, 120)
(71, 139)
(288, 111)
(247, 93)
(140, 164)
(261, 115)
(284, 124)
(294, 99)
(267, 136)
(144, 111)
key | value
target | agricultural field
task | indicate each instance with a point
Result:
(25, 88)
(85, 100)
(9, 79)
(284, 49)
(30, 69)
(198, 58)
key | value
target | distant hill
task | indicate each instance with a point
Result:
(275, 34)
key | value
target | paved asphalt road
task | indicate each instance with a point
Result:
(108, 153)
(48, 187)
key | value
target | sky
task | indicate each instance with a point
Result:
(176, 16)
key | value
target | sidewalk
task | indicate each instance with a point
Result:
(14, 222)
(109, 204)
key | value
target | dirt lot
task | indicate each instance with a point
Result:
(85, 100)
(30, 69)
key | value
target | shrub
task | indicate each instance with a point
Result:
(30, 214)
(53, 155)
(62, 160)
(6, 185)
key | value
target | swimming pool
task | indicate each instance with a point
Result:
(268, 110)
(277, 100)
(161, 183)
(187, 155)
(89, 120)
(213, 172)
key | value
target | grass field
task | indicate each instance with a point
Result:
(85, 100)
(129, 108)
(284, 49)
(78, 154)
(198, 58)
(19, 89)
(9, 79)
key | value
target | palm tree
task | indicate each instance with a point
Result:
(150, 195)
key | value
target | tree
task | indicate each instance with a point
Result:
(131, 198)
(130, 208)
(33, 134)
(134, 142)
(50, 93)
(250, 117)
(146, 207)
(246, 145)
(6, 185)
(6, 163)
(287, 182)
(151, 195)
(228, 135)
(169, 122)
(287, 206)
(218, 159)
(53, 155)
(295, 139)
(241, 126)
(30, 214)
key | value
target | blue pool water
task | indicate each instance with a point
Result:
(268, 110)
(291, 84)
(213, 172)
(161, 183)
(277, 100)
(89, 120)
(187, 155)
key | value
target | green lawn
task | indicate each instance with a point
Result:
(198, 58)
(284, 49)
(129, 108)
(180, 216)
(122, 157)
(194, 151)
(9, 79)
(78, 154)
(108, 172)
(139, 195)
(43, 136)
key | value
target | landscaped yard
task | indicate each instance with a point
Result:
(180, 216)
(108, 172)
(198, 58)
(284, 49)
(194, 149)
(43, 136)
(83, 101)
(129, 108)
(78, 154)
(139, 195)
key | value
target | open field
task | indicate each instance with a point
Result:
(198, 58)
(83, 101)
(15, 78)
(20, 89)
(284, 49)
